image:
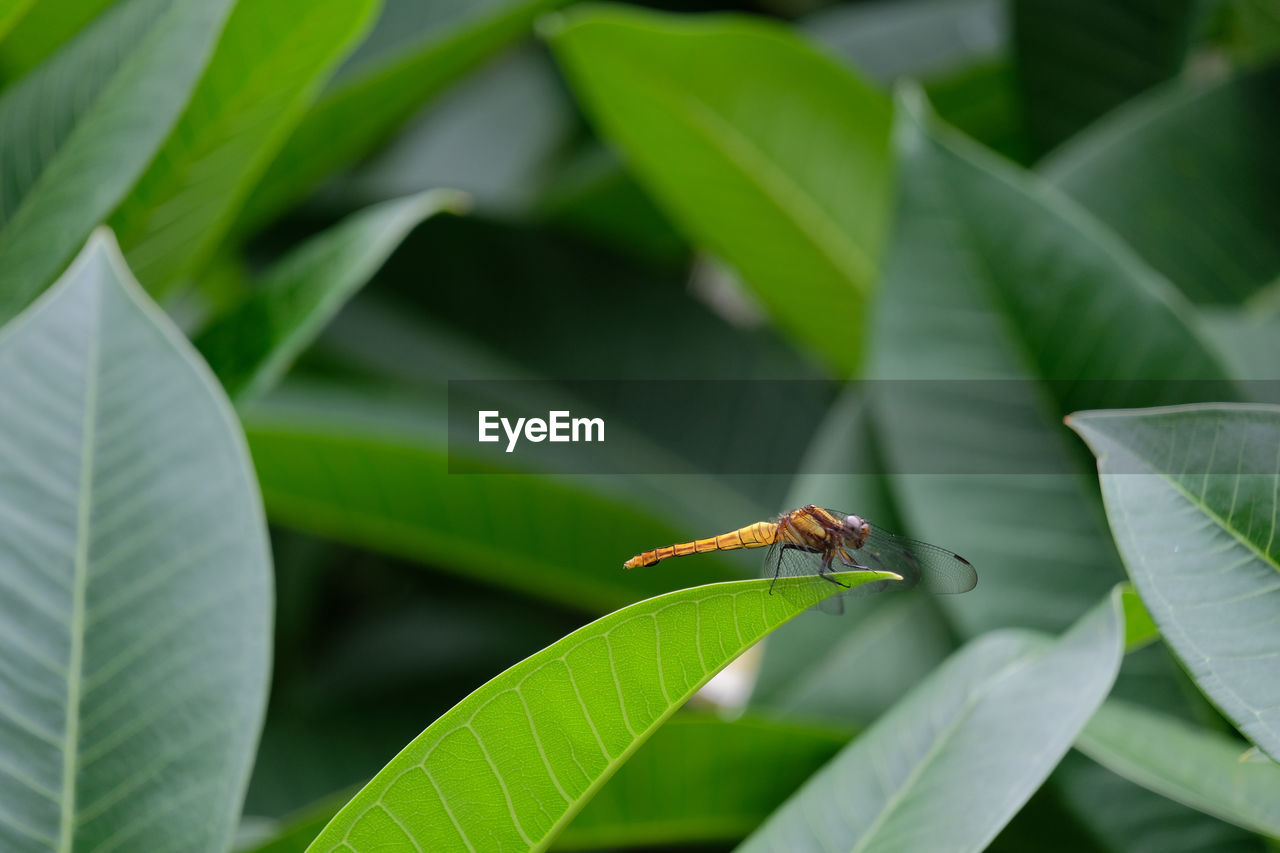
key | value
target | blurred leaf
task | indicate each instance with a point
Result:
(981, 101)
(915, 38)
(852, 669)
(1045, 825)
(1124, 818)
(1139, 629)
(370, 103)
(958, 49)
(1248, 340)
(1014, 305)
(761, 149)
(137, 595)
(593, 193)
(553, 728)
(1078, 59)
(268, 65)
(1194, 766)
(1004, 709)
(699, 780)
(1201, 546)
(79, 131)
(42, 28)
(251, 347)
(613, 303)
(1249, 30)
(364, 470)
(11, 11)
(1187, 177)
(293, 833)
(463, 141)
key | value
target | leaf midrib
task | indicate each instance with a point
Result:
(1208, 511)
(944, 738)
(80, 580)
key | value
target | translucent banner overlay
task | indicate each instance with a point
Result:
(785, 427)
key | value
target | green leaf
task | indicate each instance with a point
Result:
(1248, 340)
(1004, 709)
(267, 68)
(761, 149)
(1248, 30)
(1125, 818)
(1139, 628)
(79, 131)
(698, 780)
(1011, 301)
(42, 28)
(251, 346)
(957, 49)
(1186, 176)
(1078, 59)
(293, 833)
(371, 102)
(11, 11)
(852, 669)
(918, 38)
(1201, 768)
(373, 472)
(516, 760)
(136, 577)
(1192, 499)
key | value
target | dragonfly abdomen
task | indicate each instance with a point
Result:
(756, 535)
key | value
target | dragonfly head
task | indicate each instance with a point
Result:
(857, 530)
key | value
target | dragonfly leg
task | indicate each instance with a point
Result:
(825, 569)
(849, 561)
(777, 566)
(826, 577)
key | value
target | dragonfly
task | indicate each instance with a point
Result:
(816, 541)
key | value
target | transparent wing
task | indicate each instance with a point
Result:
(782, 561)
(935, 569)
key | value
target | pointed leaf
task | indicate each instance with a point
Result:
(1011, 300)
(268, 66)
(76, 134)
(251, 346)
(1191, 493)
(1004, 709)
(512, 763)
(136, 606)
(763, 150)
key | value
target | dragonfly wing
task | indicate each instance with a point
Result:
(792, 562)
(936, 569)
